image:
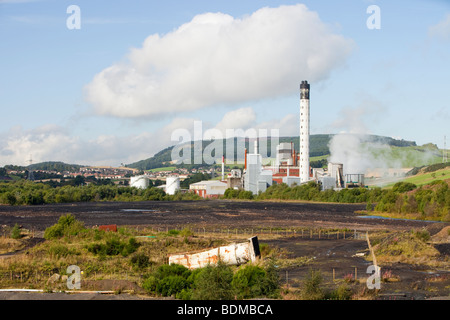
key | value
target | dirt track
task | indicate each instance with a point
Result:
(223, 213)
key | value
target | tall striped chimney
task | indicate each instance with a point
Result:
(304, 132)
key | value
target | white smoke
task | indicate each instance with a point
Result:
(359, 153)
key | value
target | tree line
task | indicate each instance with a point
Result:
(429, 202)
(29, 193)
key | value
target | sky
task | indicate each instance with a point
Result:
(110, 82)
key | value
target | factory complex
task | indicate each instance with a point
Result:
(291, 167)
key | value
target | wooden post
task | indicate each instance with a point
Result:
(287, 278)
(356, 273)
(333, 275)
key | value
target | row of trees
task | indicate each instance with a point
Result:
(428, 202)
(28, 193)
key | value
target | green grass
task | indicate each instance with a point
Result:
(426, 178)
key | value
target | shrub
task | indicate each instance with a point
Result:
(67, 225)
(15, 232)
(248, 281)
(59, 251)
(114, 247)
(140, 261)
(312, 286)
(213, 283)
(343, 292)
(168, 280)
(422, 235)
(401, 187)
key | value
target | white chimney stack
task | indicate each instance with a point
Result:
(304, 132)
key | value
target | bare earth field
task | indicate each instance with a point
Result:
(326, 254)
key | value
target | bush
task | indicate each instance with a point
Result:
(168, 280)
(114, 247)
(312, 289)
(140, 261)
(401, 187)
(343, 292)
(253, 281)
(248, 282)
(213, 283)
(15, 232)
(67, 226)
(422, 235)
(59, 251)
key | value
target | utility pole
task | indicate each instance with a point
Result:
(30, 171)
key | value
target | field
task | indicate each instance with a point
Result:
(426, 178)
(329, 238)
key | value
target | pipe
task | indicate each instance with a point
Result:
(223, 168)
(245, 165)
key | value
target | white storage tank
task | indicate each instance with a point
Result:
(140, 182)
(172, 184)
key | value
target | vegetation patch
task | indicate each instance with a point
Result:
(407, 247)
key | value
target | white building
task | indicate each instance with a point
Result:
(256, 179)
(209, 189)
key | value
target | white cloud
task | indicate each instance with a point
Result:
(54, 143)
(442, 29)
(218, 59)
(242, 118)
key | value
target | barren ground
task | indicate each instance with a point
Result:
(416, 282)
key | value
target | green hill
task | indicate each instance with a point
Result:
(318, 147)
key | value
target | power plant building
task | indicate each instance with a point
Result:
(256, 178)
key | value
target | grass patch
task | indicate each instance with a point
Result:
(406, 247)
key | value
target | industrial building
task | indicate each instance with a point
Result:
(256, 178)
(209, 189)
(140, 182)
(291, 167)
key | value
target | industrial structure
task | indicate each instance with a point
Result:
(140, 182)
(172, 184)
(232, 254)
(291, 167)
(256, 178)
(209, 188)
(304, 132)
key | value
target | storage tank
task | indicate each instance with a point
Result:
(172, 184)
(140, 182)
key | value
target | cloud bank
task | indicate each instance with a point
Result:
(218, 59)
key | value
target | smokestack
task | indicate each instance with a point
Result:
(256, 146)
(245, 160)
(304, 131)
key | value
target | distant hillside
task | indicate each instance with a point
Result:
(318, 147)
(55, 166)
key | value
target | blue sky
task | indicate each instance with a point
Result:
(113, 91)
